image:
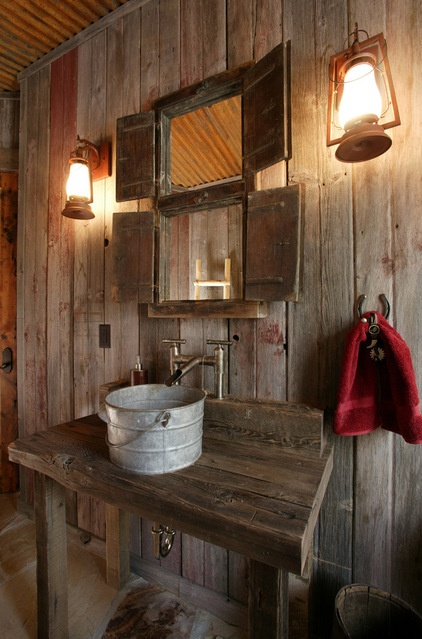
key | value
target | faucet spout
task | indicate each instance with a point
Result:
(185, 368)
(173, 378)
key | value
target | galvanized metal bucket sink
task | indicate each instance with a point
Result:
(153, 428)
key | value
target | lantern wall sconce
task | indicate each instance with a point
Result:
(361, 102)
(87, 163)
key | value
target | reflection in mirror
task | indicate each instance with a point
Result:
(206, 145)
(211, 236)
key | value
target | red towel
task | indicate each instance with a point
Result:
(377, 391)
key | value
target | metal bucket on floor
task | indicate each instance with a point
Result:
(154, 428)
(365, 612)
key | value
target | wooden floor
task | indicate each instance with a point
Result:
(97, 611)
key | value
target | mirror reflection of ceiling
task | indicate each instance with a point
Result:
(206, 144)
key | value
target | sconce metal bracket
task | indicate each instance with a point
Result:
(103, 169)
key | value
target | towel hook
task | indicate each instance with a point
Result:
(383, 299)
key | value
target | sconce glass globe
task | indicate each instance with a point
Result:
(361, 100)
(78, 186)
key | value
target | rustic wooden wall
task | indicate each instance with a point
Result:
(9, 144)
(362, 234)
(8, 378)
(9, 131)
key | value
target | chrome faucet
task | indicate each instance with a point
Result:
(180, 364)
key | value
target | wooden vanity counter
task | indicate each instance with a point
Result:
(256, 489)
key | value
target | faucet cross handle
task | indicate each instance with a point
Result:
(174, 351)
(220, 342)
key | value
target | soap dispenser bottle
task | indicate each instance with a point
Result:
(138, 375)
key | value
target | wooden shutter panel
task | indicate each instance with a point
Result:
(135, 156)
(273, 244)
(266, 111)
(133, 244)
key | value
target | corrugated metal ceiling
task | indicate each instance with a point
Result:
(31, 28)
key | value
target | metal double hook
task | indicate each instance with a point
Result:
(383, 299)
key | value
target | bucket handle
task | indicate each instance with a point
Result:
(162, 418)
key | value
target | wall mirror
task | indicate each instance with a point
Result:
(196, 155)
(204, 251)
(206, 145)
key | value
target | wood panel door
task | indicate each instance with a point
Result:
(8, 389)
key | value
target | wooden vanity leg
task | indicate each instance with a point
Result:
(268, 602)
(117, 546)
(50, 527)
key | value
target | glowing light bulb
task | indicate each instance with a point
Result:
(79, 182)
(361, 100)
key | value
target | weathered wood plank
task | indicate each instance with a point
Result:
(50, 522)
(202, 199)
(267, 124)
(169, 18)
(35, 234)
(88, 309)
(241, 23)
(208, 308)
(8, 386)
(268, 33)
(327, 282)
(150, 70)
(135, 172)
(268, 610)
(9, 159)
(86, 303)
(287, 423)
(374, 455)
(273, 327)
(123, 97)
(191, 42)
(32, 354)
(9, 131)
(403, 260)
(273, 244)
(132, 277)
(117, 546)
(20, 277)
(229, 610)
(240, 27)
(60, 246)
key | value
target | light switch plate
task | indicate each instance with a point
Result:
(104, 336)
